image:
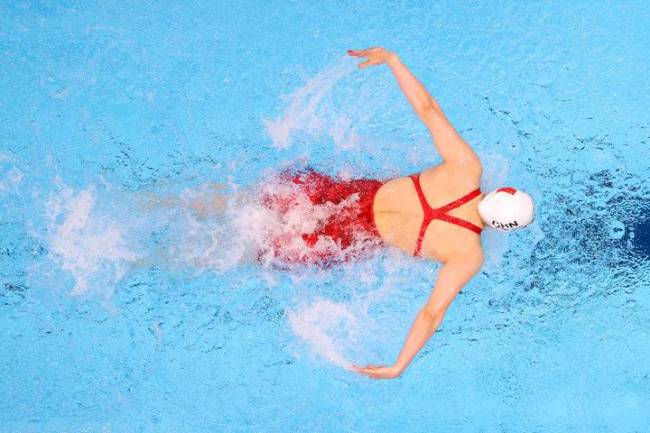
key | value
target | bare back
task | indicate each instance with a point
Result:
(398, 213)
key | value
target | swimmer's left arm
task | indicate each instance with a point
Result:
(451, 279)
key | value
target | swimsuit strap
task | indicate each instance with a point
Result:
(440, 213)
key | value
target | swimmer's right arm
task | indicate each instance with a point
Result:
(452, 277)
(450, 144)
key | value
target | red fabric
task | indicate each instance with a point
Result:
(507, 189)
(344, 227)
(440, 213)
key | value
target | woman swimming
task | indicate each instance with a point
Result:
(437, 214)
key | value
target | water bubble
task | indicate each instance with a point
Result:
(616, 229)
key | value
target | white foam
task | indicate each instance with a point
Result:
(15, 175)
(87, 244)
(98, 233)
(343, 332)
(329, 327)
(249, 229)
(311, 113)
(12, 180)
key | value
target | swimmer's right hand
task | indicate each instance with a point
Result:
(375, 56)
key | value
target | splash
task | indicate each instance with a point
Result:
(10, 178)
(329, 327)
(221, 239)
(87, 243)
(267, 223)
(361, 328)
(99, 234)
(312, 114)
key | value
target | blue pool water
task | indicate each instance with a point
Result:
(123, 310)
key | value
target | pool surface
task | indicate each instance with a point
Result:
(123, 310)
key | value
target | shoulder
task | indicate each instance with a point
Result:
(457, 272)
(462, 171)
(468, 163)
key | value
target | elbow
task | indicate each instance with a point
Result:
(432, 314)
(429, 109)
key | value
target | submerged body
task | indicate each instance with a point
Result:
(339, 213)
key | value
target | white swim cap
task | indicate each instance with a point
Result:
(507, 209)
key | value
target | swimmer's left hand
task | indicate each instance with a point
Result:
(374, 55)
(378, 371)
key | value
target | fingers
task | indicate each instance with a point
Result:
(364, 53)
(363, 370)
(368, 372)
(357, 53)
(374, 374)
(371, 60)
(373, 371)
(369, 366)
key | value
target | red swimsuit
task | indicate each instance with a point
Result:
(441, 213)
(352, 227)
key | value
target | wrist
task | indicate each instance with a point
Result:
(392, 59)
